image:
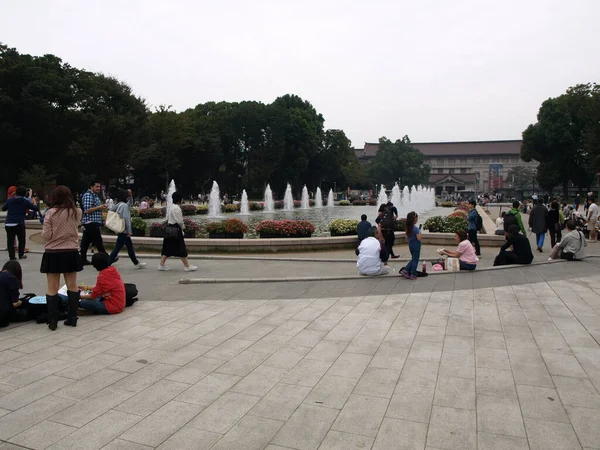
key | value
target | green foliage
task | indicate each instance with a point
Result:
(137, 223)
(566, 138)
(445, 224)
(522, 177)
(398, 161)
(229, 226)
(446, 204)
(189, 210)
(343, 227)
(202, 209)
(285, 228)
(230, 208)
(344, 203)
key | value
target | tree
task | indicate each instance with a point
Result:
(566, 137)
(398, 162)
(522, 177)
(36, 178)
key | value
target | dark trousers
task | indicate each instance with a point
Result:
(123, 240)
(473, 239)
(505, 258)
(91, 235)
(17, 231)
(389, 239)
(555, 235)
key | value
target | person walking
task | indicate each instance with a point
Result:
(472, 221)
(592, 218)
(124, 239)
(175, 245)
(17, 207)
(413, 235)
(61, 255)
(554, 223)
(92, 221)
(538, 223)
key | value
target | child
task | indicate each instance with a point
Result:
(10, 283)
(363, 228)
(414, 245)
(108, 296)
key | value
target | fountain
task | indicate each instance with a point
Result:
(269, 205)
(330, 199)
(244, 205)
(288, 200)
(304, 204)
(214, 201)
(382, 197)
(396, 198)
(170, 192)
(318, 198)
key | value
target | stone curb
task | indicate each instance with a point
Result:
(340, 277)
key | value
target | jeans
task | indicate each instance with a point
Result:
(540, 239)
(17, 231)
(96, 306)
(123, 240)
(473, 239)
(415, 252)
(91, 235)
(466, 266)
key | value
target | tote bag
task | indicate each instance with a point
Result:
(453, 265)
(114, 222)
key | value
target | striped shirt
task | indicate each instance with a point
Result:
(90, 200)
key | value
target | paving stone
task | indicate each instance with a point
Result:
(208, 389)
(577, 392)
(221, 415)
(545, 435)
(426, 351)
(327, 351)
(378, 382)
(493, 339)
(459, 344)
(496, 382)
(243, 364)
(306, 428)
(331, 392)
(121, 444)
(287, 357)
(350, 365)
(420, 373)
(185, 355)
(192, 438)
(397, 434)
(499, 415)
(492, 358)
(566, 365)
(452, 428)
(28, 394)
(42, 435)
(541, 403)
(457, 365)
(196, 370)
(260, 381)
(308, 372)
(411, 402)
(587, 425)
(250, 433)
(280, 402)
(152, 398)
(162, 423)
(488, 441)
(146, 377)
(389, 358)
(336, 440)
(532, 374)
(431, 334)
(307, 338)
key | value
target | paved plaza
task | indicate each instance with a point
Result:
(501, 359)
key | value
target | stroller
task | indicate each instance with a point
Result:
(580, 223)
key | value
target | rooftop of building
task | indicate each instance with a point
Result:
(464, 148)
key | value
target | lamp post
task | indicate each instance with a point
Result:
(335, 190)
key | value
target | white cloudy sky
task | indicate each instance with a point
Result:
(433, 69)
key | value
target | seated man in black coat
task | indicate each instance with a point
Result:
(521, 249)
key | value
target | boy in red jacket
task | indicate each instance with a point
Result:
(108, 296)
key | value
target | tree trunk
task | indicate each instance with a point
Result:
(565, 189)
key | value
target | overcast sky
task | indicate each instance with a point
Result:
(433, 69)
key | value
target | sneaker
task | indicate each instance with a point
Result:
(395, 256)
(140, 265)
(405, 274)
(413, 277)
(23, 257)
(163, 268)
(191, 268)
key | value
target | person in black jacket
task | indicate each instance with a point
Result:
(521, 249)
(10, 283)
(553, 224)
(17, 207)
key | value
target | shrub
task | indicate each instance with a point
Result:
(359, 202)
(256, 206)
(137, 223)
(285, 228)
(297, 203)
(459, 213)
(230, 208)
(151, 213)
(190, 226)
(135, 212)
(202, 209)
(344, 203)
(189, 210)
(311, 202)
(400, 225)
(279, 204)
(446, 204)
(343, 227)
(441, 224)
(373, 202)
(229, 226)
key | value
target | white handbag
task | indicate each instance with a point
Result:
(453, 264)
(114, 222)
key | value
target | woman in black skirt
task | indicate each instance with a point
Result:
(61, 255)
(175, 245)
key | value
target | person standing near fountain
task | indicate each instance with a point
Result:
(175, 245)
(387, 221)
(413, 233)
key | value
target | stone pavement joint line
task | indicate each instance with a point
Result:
(510, 366)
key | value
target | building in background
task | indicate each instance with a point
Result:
(480, 166)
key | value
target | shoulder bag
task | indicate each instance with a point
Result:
(114, 222)
(571, 256)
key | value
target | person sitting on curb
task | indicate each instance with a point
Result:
(108, 296)
(500, 224)
(521, 249)
(363, 228)
(465, 252)
(572, 246)
(372, 255)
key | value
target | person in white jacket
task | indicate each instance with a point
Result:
(372, 255)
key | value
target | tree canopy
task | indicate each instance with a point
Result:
(566, 138)
(398, 162)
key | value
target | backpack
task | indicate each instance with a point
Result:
(479, 222)
(387, 219)
(509, 219)
(131, 293)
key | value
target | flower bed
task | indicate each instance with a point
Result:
(359, 202)
(189, 210)
(445, 224)
(202, 209)
(227, 229)
(157, 229)
(256, 206)
(343, 227)
(344, 203)
(151, 213)
(285, 229)
(446, 204)
(138, 226)
(230, 208)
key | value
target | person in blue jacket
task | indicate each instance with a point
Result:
(472, 217)
(17, 207)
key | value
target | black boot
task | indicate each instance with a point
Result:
(73, 306)
(52, 304)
